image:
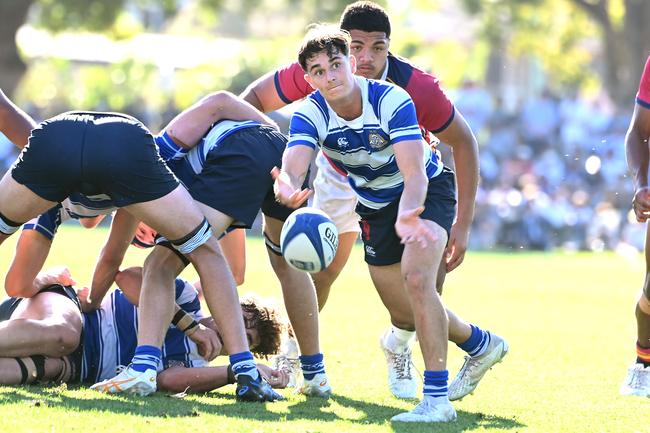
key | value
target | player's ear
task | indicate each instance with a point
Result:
(310, 81)
(353, 63)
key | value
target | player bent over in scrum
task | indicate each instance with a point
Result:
(114, 154)
(228, 174)
(184, 367)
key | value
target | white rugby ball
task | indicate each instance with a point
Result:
(309, 240)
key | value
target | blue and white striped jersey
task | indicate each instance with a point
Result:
(193, 162)
(111, 334)
(76, 206)
(363, 148)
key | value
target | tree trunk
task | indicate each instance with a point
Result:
(636, 34)
(13, 13)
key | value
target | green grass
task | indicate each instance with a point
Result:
(569, 320)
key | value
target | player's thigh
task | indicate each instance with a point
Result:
(389, 284)
(51, 308)
(18, 203)
(217, 219)
(425, 260)
(173, 215)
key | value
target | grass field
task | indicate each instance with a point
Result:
(569, 320)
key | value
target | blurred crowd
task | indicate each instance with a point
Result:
(553, 172)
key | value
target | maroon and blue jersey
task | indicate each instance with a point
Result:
(433, 108)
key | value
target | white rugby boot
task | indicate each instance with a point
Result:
(319, 386)
(426, 411)
(129, 380)
(475, 367)
(637, 381)
(401, 380)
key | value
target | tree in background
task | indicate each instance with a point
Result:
(558, 33)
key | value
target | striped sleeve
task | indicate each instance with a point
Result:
(643, 95)
(303, 129)
(397, 107)
(187, 297)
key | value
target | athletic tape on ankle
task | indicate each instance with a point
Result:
(7, 226)
(194, 239)
(644, 304)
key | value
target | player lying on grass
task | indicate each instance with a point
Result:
(107, 338)
(115, 155)
(370, 29)
(228, 175)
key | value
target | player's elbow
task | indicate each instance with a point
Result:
(168, 381)
(18, 287)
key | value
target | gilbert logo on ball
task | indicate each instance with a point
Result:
(309, 240)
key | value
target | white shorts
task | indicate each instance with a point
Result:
(334, 196)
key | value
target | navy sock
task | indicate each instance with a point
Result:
(312, 365)
(244, 363)
(477, 342)
(146, 358)
(435, 383)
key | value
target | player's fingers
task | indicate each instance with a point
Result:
(275, 173)
(455, 261)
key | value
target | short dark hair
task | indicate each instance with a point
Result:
(365, 16)
(268, 322)
(323, 38)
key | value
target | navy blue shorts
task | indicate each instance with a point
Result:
(236, 178)
(382, 246)
(94, 153)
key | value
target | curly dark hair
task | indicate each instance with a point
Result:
(268, 322)
(365, 16)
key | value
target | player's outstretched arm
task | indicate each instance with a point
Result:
(204, 379)
(110, 258)
(458, 135)
(32, 250)
(15, 124)
(192, 124)
(638, 158)
(289, 179)
(410, 228)
(278, 88)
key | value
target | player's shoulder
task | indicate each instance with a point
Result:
(382, 93)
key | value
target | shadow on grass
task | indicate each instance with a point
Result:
(337, 408)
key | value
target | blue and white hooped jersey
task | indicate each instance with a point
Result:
(193, 162)
(75, 206)
(363, 148)
(111, 335)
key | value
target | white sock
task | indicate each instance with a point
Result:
(398, 340)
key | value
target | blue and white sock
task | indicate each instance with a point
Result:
(244, 363)
(312, 365)
(477, 343)
(146, 358)
(435, 386)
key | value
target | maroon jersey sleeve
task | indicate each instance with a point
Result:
(434, 109)
(643, 95)
(290, 83)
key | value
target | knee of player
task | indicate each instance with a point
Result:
(65, 339)
(416, 280)
(168, 382)
(217, 99)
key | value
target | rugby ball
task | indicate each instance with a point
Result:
(309, 240)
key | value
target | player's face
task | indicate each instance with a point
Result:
(371, 51)
(252, 335)
(332, 75)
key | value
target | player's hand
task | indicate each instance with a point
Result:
(207, 342)
(57, 275)
(457, 246)
(145, 236)
(285, 192)
(275, 378)
(410, 227)
(84, 299)
(641, 204)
